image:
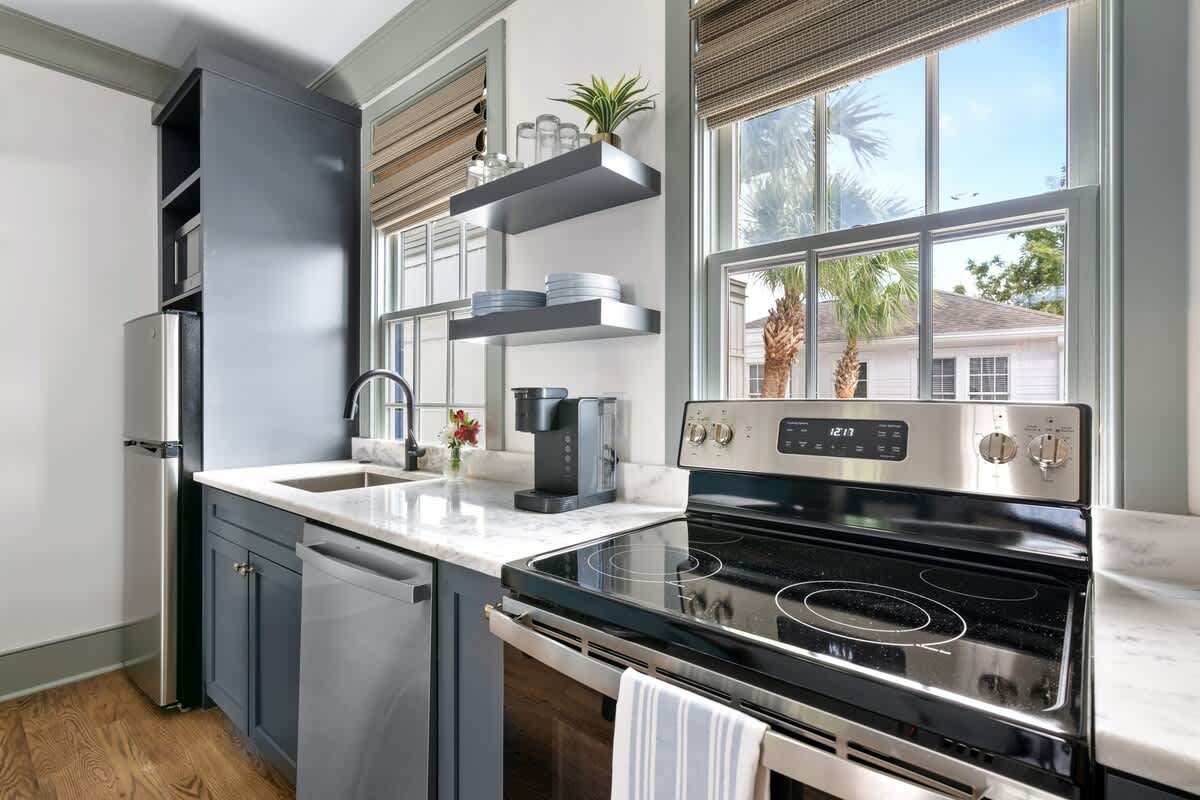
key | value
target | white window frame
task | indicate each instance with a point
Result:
(1078, 206)
(487, 47)
(750, 393)
(1008, 362)
(954, 389)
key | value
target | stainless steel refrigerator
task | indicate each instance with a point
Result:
(161, 547)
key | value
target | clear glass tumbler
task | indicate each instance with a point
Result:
(526, 143)
(547, 137)
(568, 137)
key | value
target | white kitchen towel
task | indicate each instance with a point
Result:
(670, 744)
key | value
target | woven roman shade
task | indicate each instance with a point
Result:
(755, 56)
(419, 155)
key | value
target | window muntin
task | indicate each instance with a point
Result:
(755, 377)
(987, 378)
(860, 386)
(429, 272)
(943, 379)
(1003, 114)
(771, 303)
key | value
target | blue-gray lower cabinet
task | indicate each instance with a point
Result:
(1124, 787)
(252, 621)
(470, 688)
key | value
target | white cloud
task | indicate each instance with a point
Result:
(948, 125)
(979, 112)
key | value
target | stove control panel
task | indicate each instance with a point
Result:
(1018, 450)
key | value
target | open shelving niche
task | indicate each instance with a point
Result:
(593, 178)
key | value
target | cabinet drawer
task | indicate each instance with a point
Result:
(269, 531)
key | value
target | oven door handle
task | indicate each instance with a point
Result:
(816, 768)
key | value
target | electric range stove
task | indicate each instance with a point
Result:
(918, 568)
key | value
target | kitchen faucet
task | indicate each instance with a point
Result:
(411, 451)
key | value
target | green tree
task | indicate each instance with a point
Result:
(776, 201)
(1034, 279)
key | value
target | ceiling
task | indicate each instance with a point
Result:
(298, 39)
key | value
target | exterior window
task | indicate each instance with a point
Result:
(943, 379)
(429, 272)
(988, 378)
(860, 389)
(755, 376)
(968, 223)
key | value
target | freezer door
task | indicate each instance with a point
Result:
(152, 378)
(151, 503)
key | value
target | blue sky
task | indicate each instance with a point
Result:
(1002, 132)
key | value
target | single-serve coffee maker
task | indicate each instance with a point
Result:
(574, 463)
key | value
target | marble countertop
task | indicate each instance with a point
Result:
(1146, 645)
(471, 523)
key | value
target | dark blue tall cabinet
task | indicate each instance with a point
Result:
(258, 197)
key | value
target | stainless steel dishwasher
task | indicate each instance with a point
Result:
(366, 671)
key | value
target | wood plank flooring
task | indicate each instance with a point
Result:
(100, 739)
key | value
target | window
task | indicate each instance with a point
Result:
(935, 208)
(755, 376)
(943, 379)
(988, 378)
(429, 272)
(860, 388)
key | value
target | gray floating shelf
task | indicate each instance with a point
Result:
(591, 319)
(589, 179)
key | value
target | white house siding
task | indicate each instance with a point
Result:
(1036, 363)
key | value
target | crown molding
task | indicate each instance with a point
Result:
(424, 29)
(57, 48)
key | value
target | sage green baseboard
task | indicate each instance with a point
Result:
(43, 666)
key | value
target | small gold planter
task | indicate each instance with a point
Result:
(611, 138)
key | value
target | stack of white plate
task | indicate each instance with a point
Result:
(502, 300)
(578, 287)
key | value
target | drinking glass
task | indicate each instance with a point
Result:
(568, 137)
(496, 165)
(476, 173)
(547, 137)
(526, 143)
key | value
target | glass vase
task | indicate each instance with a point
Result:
(453, 469)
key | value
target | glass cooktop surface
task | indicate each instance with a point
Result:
(980, 636)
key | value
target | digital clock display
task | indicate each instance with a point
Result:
(881, 440)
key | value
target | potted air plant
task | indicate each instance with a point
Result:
(461, 432)
(608, 106)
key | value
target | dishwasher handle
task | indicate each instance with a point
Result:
(363, 576)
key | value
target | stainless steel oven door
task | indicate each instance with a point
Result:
(561, 680)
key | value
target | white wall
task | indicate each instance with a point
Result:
(547, 48)
(77, 242)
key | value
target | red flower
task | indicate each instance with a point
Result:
(466, 430)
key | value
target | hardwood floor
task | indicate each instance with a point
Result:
(101, 739)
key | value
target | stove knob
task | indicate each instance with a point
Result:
(1049, 451)
(696, 433)
(722, 433)
(998, 448)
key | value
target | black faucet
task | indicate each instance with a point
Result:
(411, 451)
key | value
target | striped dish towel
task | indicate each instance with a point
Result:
(670, 744)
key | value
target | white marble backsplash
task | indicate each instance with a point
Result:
(636, 483)
(1163, 547)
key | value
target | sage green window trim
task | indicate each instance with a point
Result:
(421, 31)
(54, 47)
(487, 46)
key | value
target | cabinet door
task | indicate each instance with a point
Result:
(225, 635)
(275, 662)
(470, 688)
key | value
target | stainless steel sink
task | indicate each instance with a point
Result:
(347, 480)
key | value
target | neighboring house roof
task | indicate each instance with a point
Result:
(953, 313)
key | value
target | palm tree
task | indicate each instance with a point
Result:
(776, 202)
(871, 294)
